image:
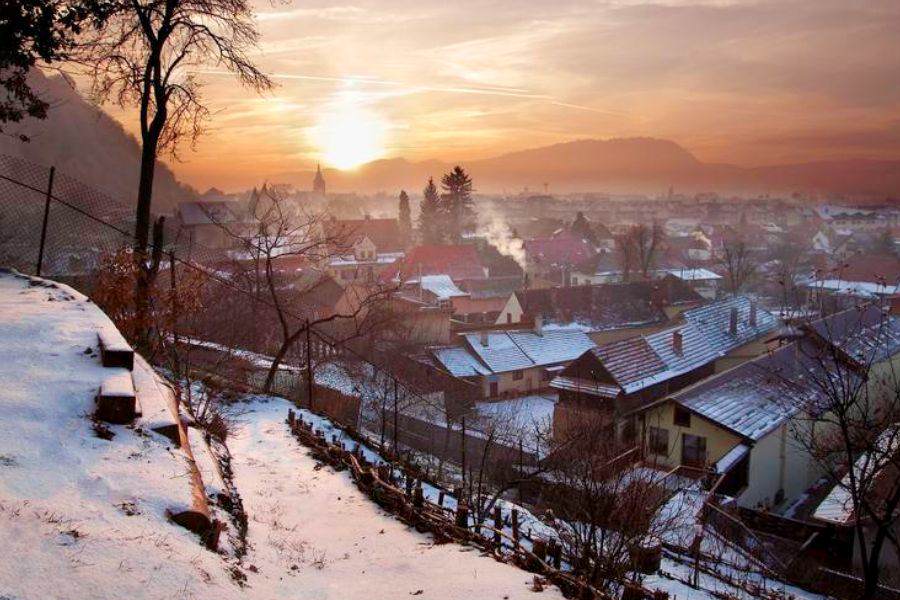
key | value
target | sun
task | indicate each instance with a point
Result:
(349, 136)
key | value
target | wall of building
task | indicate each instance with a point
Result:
(718, 441)
(508, 385)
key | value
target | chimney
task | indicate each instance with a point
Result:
(539, 324)
(732, 326)
(753, 313)
(484, 338)
(678, 342)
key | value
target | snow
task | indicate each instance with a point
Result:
(85, 517)
(118, 384)
(441, 286)
(342, 545)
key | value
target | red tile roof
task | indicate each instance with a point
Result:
(563, 249)
(459, 262)
(384, 233)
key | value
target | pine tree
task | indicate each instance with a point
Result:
(456, 201)
(404, 217)
(430, 215)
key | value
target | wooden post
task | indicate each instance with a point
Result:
(441, 499)
(309, 372)
(40, 260)
(498, 526)
(409, 486)
(463, 451)
(173, 290)
(539, 549)
(396, 418)
(554, 551)
(418, 495)
(514, 515)
(462, 515)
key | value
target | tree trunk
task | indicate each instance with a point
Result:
(141, 236)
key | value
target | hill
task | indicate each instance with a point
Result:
(621, 165)
(84, 142)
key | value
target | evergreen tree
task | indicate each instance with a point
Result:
(430, 215)
(456, 202)
(404, 217)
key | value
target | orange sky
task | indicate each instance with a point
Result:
(743, 81)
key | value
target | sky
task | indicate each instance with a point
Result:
(739, 81)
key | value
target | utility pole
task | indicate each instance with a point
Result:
(463, 452)
(40, 260)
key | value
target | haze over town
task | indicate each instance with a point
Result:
(493, 299)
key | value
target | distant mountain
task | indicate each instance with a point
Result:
(85, 143)
(620, 165)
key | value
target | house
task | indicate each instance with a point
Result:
(615, 381)
(612, 310)
(362, 248)
(512, 363)
(213, 224)
(738, 422)
(458, 261)
(560, 253)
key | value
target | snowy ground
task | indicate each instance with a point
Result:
(80, 516)
(85, 517)
(312, 530)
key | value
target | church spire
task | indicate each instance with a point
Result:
(319, 181)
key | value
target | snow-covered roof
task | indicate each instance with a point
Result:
(695, 350)
(349, 260)
(693, 274)
(860, 289)
(501, 351)
(459, 362)
(514, 350)
(441, 286)
(714, 322)
(837, 506)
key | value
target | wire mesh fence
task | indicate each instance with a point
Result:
(214, 316)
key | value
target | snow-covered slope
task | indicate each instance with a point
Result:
(84, 517)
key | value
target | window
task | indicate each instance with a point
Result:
(658, 440)
(509, 317)
(682, 416)
(693, 451)
(494, 389)
(518, 375)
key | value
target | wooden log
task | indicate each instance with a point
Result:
(116, 400)
(114, 350)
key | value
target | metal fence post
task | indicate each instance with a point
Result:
(40, 260)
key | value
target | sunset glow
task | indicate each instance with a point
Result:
(349, 136)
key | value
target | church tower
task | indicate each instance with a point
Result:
(319, 181)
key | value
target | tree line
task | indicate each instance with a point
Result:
(445, 214)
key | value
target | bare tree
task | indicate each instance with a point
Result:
(738, 262)
(281, 233)
(638, 249)
(148, 54)
(844, 389)
(607, 509)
